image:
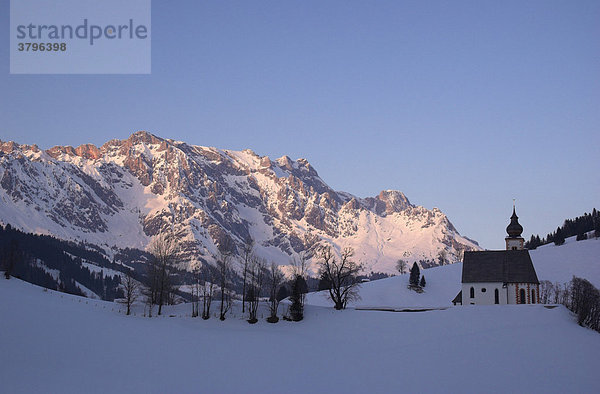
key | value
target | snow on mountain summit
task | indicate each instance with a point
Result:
(121, 194)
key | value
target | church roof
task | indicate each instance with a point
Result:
(458, 298)
(506, 266)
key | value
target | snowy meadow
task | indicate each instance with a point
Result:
(55, 342)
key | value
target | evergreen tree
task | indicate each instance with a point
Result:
(324, 282)
(415, 274)
(581, 236)
(423, 282)
(299, 288)
(11, 258)
(559, 238)
(283, 293)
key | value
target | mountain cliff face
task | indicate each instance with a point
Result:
(123, 193)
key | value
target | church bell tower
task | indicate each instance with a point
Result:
(514, 241)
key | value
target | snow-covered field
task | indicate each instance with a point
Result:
(53, 342)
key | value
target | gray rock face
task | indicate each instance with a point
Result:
(125, 192)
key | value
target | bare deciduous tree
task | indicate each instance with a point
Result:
(164, 250)
(224, 267)
(246, 258)
(342, 274)
(583, 299)
(130, 290)
(275, 280)
(401, 266)
(208, 291)
(546, 291)
(255, 275)
(196, 292)
(150, 289)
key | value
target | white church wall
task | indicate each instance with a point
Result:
(483, 297)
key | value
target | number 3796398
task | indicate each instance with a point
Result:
(42, 47)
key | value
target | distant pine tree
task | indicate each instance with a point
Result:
(559, 238)
(581, 236)
(415, 274)
(299, 288)
(533, 242)
(423, 283)
(324, 282)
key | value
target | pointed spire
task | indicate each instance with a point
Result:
(514, 229)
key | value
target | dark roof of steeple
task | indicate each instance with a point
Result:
(506, 266)
(514, 229)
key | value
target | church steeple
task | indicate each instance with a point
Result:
(514, 241)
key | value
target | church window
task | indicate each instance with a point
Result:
(496, 296)
(522, 296)
(483, 290)
(472, 292)
(532, 296)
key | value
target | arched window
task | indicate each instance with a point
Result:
(522, 296)
(532, 296)
(496, 296)
(472, 292)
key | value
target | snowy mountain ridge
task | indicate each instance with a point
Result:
(121, 194)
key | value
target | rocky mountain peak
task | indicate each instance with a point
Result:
(88, 151)
(286, 162)
(394, 200)
(11, 147)
(144, 137)
(56, 151)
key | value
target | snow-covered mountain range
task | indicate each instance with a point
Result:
(126, 191)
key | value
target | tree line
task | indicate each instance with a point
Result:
(578, 227)
(67, 266)
(33, 258)
(579, 296)
(262, 281)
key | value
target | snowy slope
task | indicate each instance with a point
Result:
(552, 263)
(52, 342)
(560, 263)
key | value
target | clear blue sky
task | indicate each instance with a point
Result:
(461, 105)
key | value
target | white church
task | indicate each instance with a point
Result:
(500, 276)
